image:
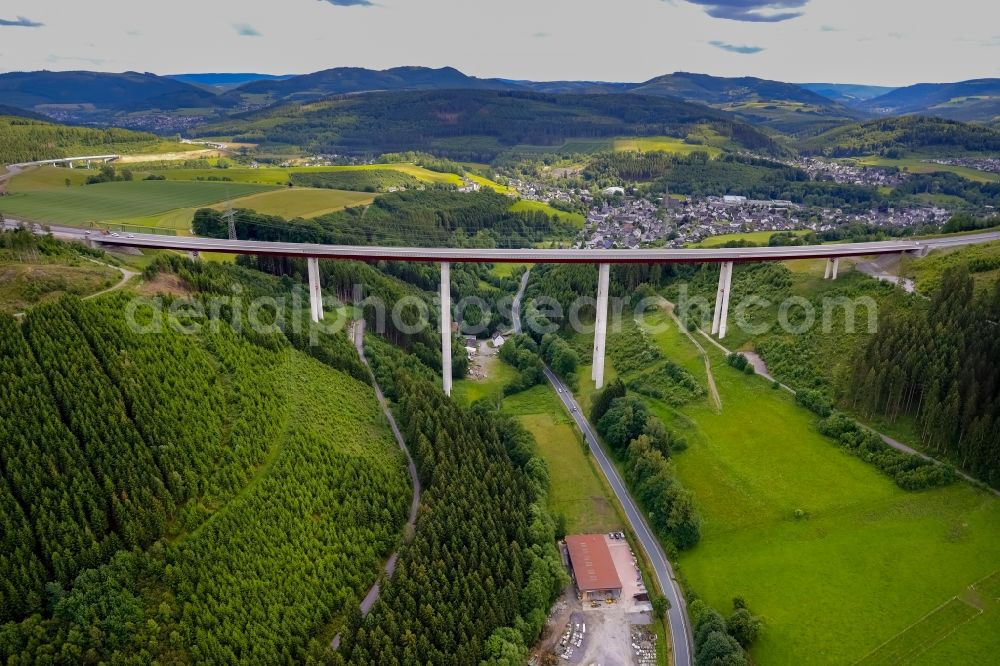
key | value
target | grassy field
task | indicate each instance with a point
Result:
(279, 176)
(522, 205)
(300, 202)
(505, 270)
(917, 165)
(577, 491)
(486, 182)
(27, 283)
(760, 237)
(47, 178)
(81, 206)
(927, 271)
(498, 375)
(665, 144)
(647, 144)
(867, 561)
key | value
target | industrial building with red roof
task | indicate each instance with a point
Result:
(593, 568)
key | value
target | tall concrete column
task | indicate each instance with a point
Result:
(601, 325)
(717, 313)
(726, 289)
(446, 326)
(315, 289)
(70, 164)
(194, 255)
(829, 269)
(836, 268)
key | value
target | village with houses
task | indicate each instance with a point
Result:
(621, 217)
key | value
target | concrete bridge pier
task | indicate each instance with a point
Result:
(601, 323)
(720, 318)
(446, 326)
(832, 268)
(315, 289)
(194, 255)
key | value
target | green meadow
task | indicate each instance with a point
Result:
(81, 206)
(663, 144)
(842, 564)
(526, 205)
(280, 176)
(577, 492)
(917, 165)
(759, 237)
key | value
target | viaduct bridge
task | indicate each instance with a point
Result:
(69, 161)
(680, 632)
(725, 257)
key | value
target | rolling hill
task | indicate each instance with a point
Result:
(26, 140)
(895, 137)
(14, 112)
(342, 80)
(848, 94)
(101, 90)
(222, 81)
(475, 124)
(785, 107)
(976, 100)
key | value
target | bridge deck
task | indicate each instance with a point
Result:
(532, 256)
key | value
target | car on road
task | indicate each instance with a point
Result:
(573, 408)
(131, 236)
(115, 234)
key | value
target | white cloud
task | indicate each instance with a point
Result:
(623, 40)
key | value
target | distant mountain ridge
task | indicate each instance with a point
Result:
(478, 125)
(847, 94)
(798, 110)
(342, 80)
(126, 90)
(225, 81)
(974, 100)
(784, 106)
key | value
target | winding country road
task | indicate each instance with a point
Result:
(680, 632)
(411, 523)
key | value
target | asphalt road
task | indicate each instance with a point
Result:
(680, 630)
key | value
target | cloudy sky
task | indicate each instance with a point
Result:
(887, 42)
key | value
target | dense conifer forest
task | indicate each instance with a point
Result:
(938, 363)
(24, 140)
(164, 493)
(477, 581)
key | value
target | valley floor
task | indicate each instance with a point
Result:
(852, 578)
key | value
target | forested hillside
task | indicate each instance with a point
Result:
(938, 363)
(24, 140)
(162, 493)
(474, 124)
(895, 137)
(477, 581)
(431, 218)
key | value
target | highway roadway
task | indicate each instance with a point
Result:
(538, 256)
(680, 629)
